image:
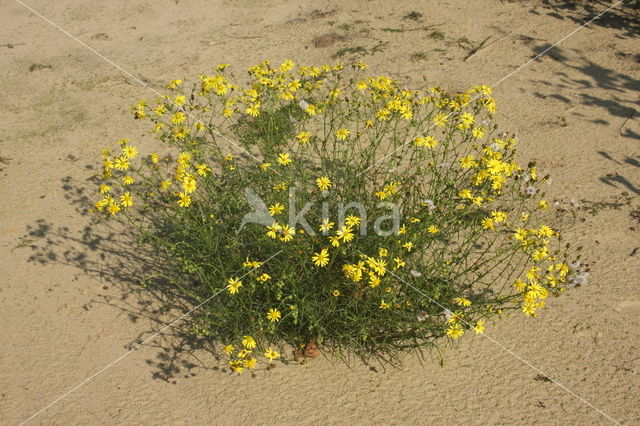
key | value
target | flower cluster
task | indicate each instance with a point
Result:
(419, 224)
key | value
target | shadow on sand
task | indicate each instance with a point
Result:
(108, 252)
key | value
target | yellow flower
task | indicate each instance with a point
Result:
(440, 120)
(275, 209)
(263, 278)
(184, 158)
(408, 246)
(272, 231)
(273, 315)
(287, 65)
(180, 100)
(361, 85)
(546, 231)
(121, 163)
(336, 293)
(454, 331)
(529, 309)
(236, 366)
(543, 205)
(429, 141)
(352, 220)
(129, 152)
(174, 84)
(487, 223)
(228, 349)
(383, 252)
(381, 194)
(520, 234)
(185, 200)
(399, 263)
(383, 114)
(233, 285)
(465, 121)
(432, 229)
(104, 188)
(244, 353)
(342, 134)
(188, 185)
(253, 264)
(284, 159)
(254, 110)
(287, 233)
(468, 162)
(335, 241)
(540, 254)
(154, 158)
(178, 118)
(374, 280)
(519, 285)
(499, 216)
(461, 301)
(126, 200)
(326, 225)
(477, 132)
(465, 193)
(113, 208)
(160, 110)
(345, 234)
(248, 342)
(324, 183)
(384, 305)
(321, 259)
(165, 184)
(265, 166)
(270, 354)
(303, 137)
(311, 110)
(250, 363)
(203, 169)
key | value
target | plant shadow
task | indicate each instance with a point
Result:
(108, 252)
(624, 17)
(616, 180)
(580, 81)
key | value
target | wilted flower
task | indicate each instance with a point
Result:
(448, 314)
(430, 204)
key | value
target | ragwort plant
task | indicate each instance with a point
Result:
(419, 225)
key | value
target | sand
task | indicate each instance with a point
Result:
(69, 302)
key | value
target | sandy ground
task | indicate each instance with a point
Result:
(69, 304)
